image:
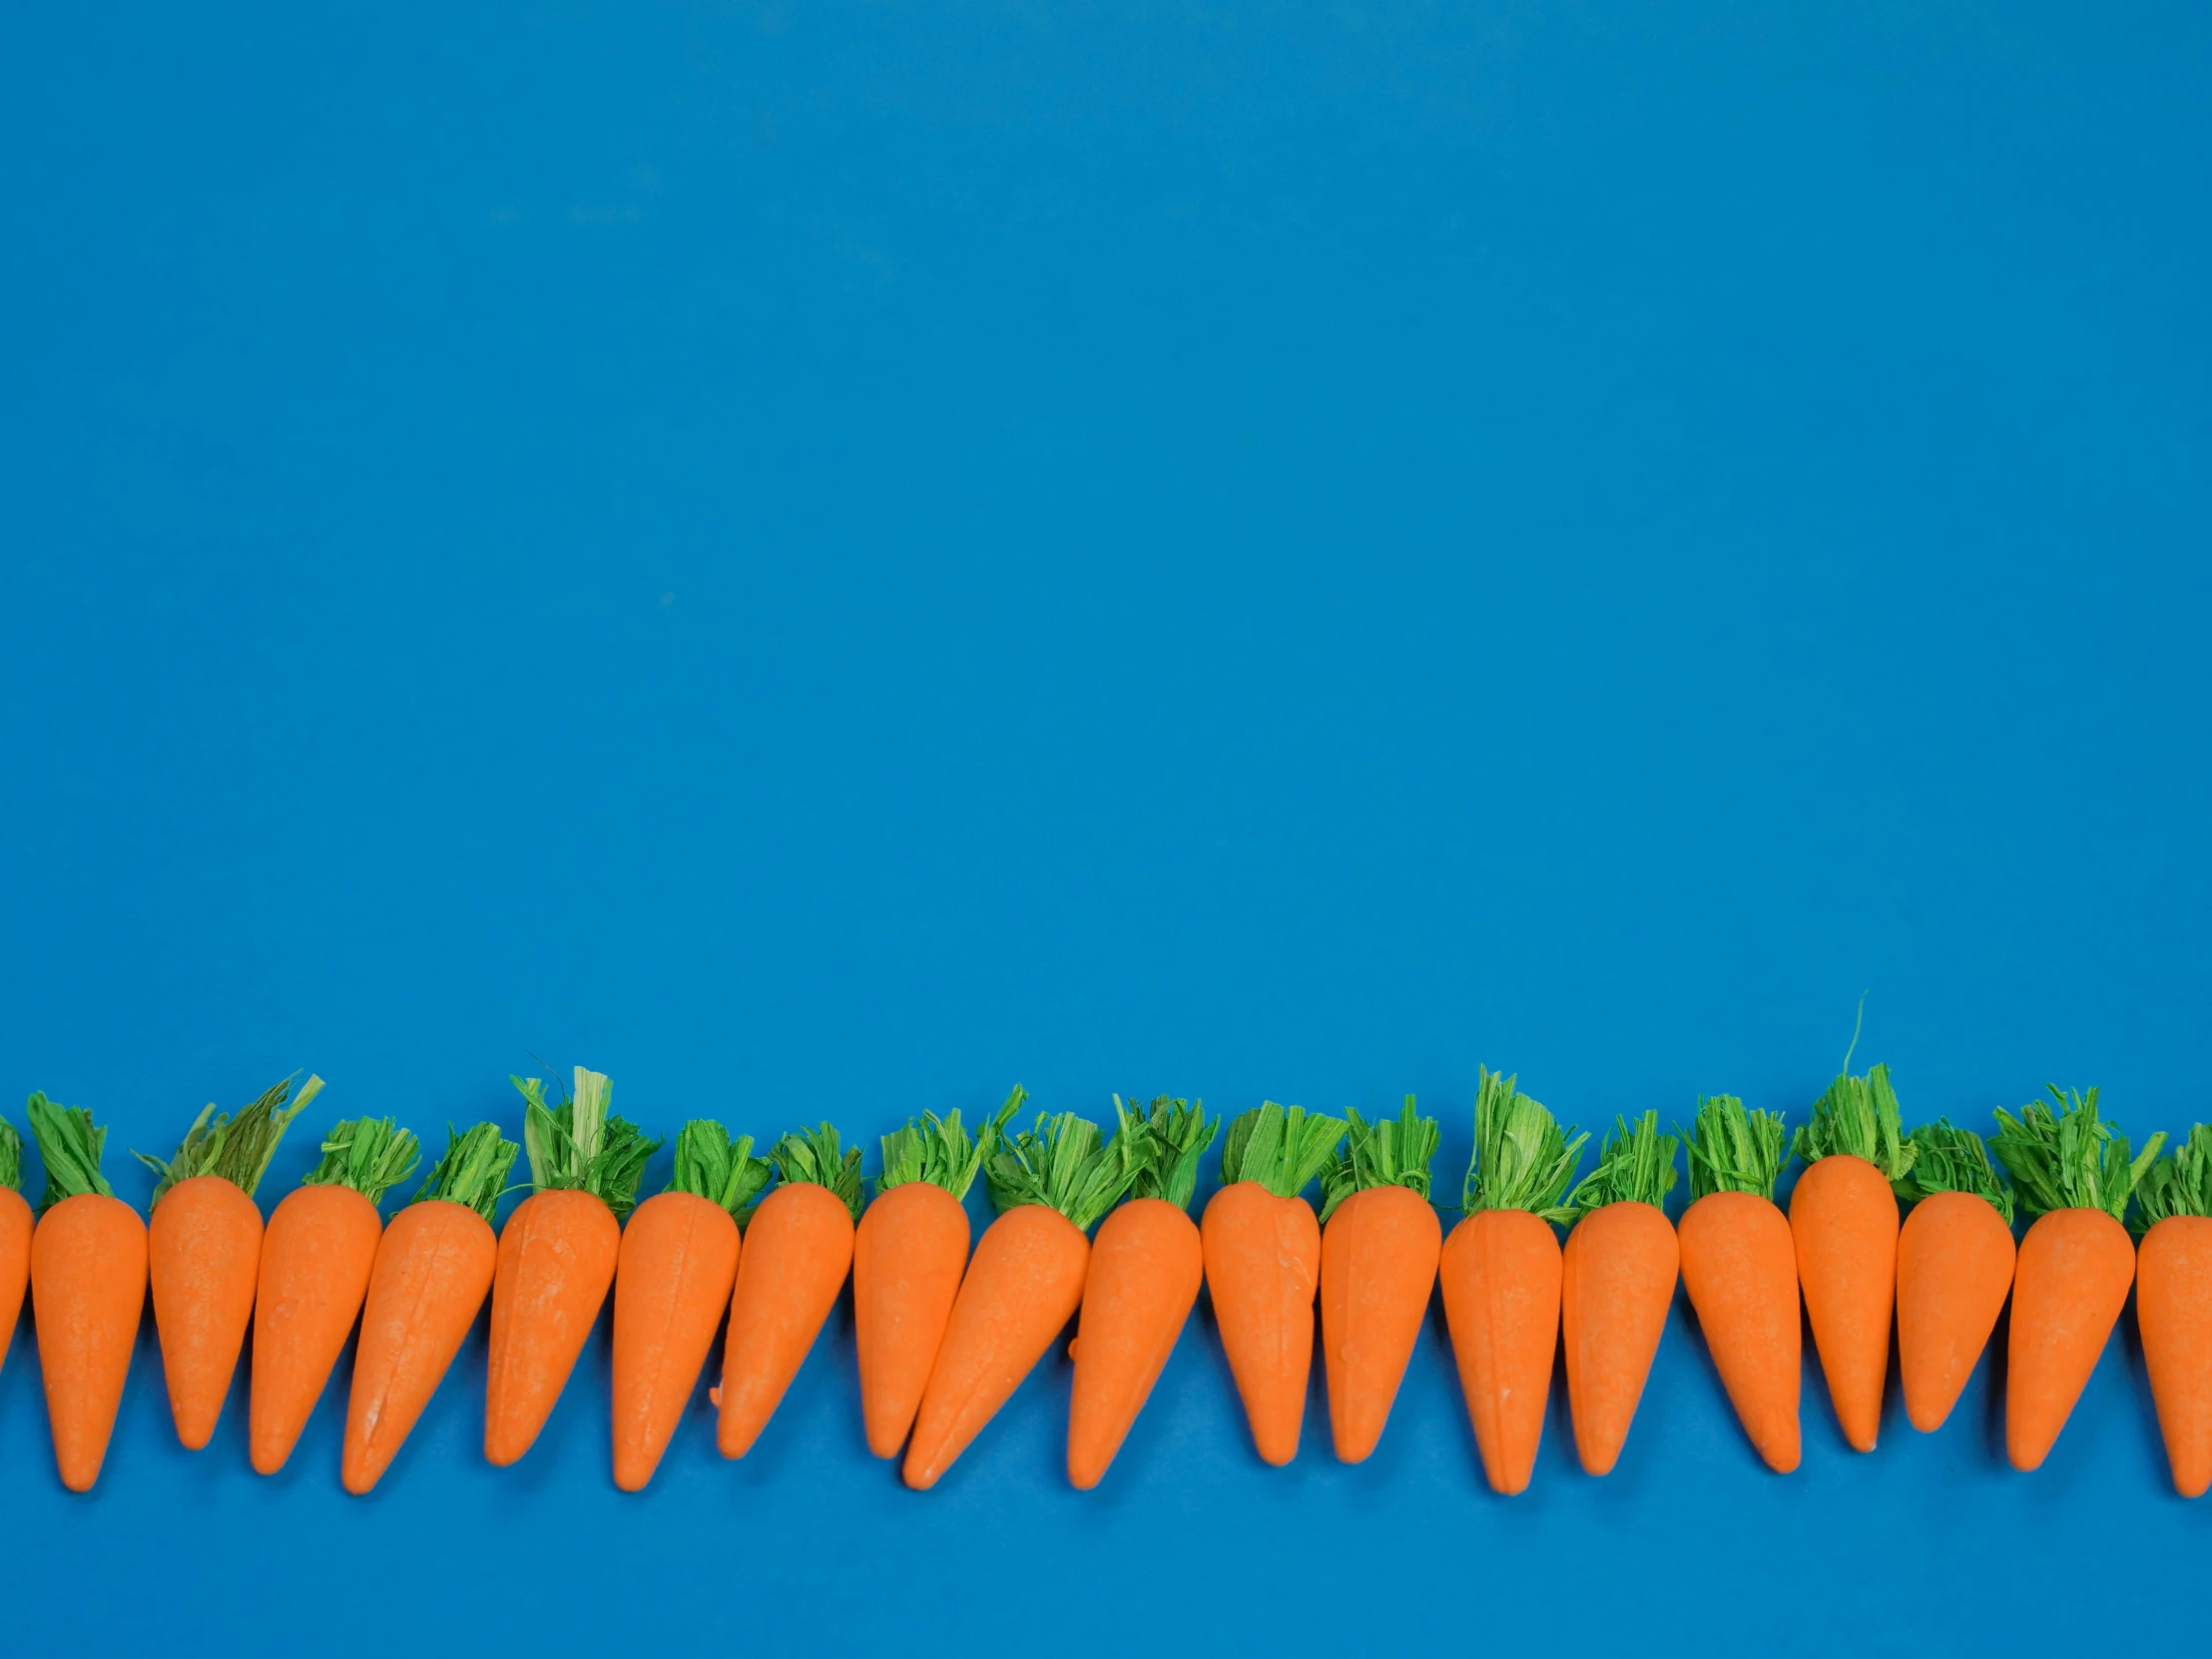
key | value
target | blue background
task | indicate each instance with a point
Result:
(824, 559)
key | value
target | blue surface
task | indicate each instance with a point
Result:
(825, 559)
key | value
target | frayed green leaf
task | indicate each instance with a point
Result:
(1522, 1159)
(2071, 1159)
(1181, 1133)
(815, 1155)
(11, 1157)
(1387, 1152)
(238, 1147)
(473, 1171)
(1061, 1162)
(2180, 1184)
(369, 1155)
(937, 1150)
(1858, 1116)
(1733, 1150)
(710, 1165)
(1283, 1148)
(1947, 1159)
(1634, 1166)
(577, 1146)
(70, 1145)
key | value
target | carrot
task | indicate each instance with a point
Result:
(1144, 1268)
(434, 1269)
(1262, 1264)
(204, 1250)
(316, 1259)
(2174, 1304)
(1955, 1267)
(1740, 1265)
(1380, 1243)
(15, 1235)
(2075, 1264)
(1616, 1283)
(672, 1282)
(556, 1254)
(1843, 1222)
(1050, 1184)
(796, 1249)
(88, 1287)
(907, 1258)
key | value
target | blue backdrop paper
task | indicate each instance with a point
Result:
(825, 559)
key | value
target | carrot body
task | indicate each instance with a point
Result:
(1739, 1264)
(556, 1262)
(1263, 1268)
(204, 1255)
(1144, 1268)
(2076, 1267)
(1020, 1292)
(1616, 1283)
(15, 1261)
(673, 1279)
(1843, 1224)
(1379, 1258)
(1954, 1269)
(88, 1287)
(2174, 1304)
(908, 1254)
(796, 1253)
(1500, 1272)
(316, 1256)
(434, 1268)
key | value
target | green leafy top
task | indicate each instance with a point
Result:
(1634, 1166)
(238, 1147)
(1733, 1150)
(70, 1145)
(814, 1155)
(710, 1165)
(2180, 1184)
(938, 1151)
(1522, 1159)
(1061, 1162)
(1385, 1153)
(11, 1157)
(577, 1147)
(1947, 1159)
(2069, 1159)
(369, 1155)
(1858, 1116)
(473, 1171)
(1181, 1133)
(1280, 1147)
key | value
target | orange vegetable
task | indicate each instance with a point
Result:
(1380, 1245)
(433, 1269)
(88, 1287)
(672, 1283)
(2174, 1304)
(1617, 1280)
(1500, 1272)
(1739, 1264)
(15, 1235)
(1262, 1246)
(1955, 1267)
(317, 1255)
(1051, 1183)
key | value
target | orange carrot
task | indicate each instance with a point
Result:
(317, 1255)
(1617, 1282)
(2174, 1304)
(434, 1269)
(1380, 1244)
(1500, 1273)
(15, 1235)
(1955, 1267)
(556, 1254)
(679, 1261)
(88, 1287)
(1144, 1268)
(2076, 1262)
(1843, 1223)
(1262, 1264)
(1050, 1184)
(798, 1249)
(907, 1258)
(204, 1250)
(1740, 1265)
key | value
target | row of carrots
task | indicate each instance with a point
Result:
(945, 1337)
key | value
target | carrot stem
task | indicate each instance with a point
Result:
(369, 1156)
(1062, 1162)
(70, 1143)
(940, 1150)
(1947, 1159)
(1734, 1150)
(710, 1165)
(818, 1156)
(473, 1171)
(1522, 1159)
(1385, 1153)
(11, 1157)
(1180, 1132)
(577, 1146)
(1635, 1164)
(235, 1147)
(1858, 1117)
(2071, 1159)
(2180, 1184)
(1283, 1148)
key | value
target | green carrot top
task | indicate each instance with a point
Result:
(1181, 1133)
(1522, 1159)
(1858, 1117)
(1634, 1166)
(710, 1165)
(938, 1151)
(473, 1171)
(1947, 1159)
(1283, 1148)
(369, 1155)
(237, 1147)
(1733, 1150)
(814, 1155)
(2180, 1184)
(1061, 1162)
(70, 1145)
(11, 1157)
(577, 1147)
(2069, 1159)
(1385, 1153)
